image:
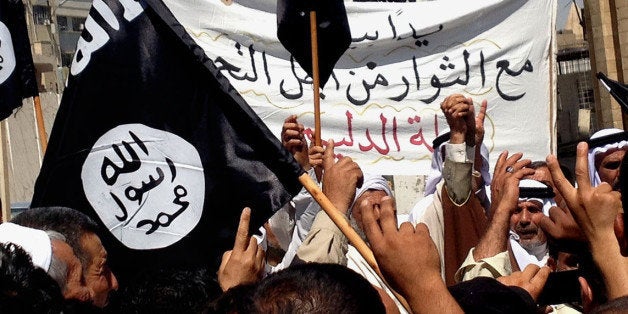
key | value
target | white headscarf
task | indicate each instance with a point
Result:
(537, 191)
(436, 172)
(524, 257)
(593, 151)
(371, 182)
(35, 242)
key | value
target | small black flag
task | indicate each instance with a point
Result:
(334, 35)
(618, 90)
(17, 72)
(154, 143)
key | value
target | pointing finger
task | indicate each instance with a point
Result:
(242, 234)
(582, 166)
(328, 155)
(371, 227)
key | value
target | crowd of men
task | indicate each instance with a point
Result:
(527, 238)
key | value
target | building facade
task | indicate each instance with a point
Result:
(594, 39)
(54, 28)
(607, 34)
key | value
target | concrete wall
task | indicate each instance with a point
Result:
(607, 36)
(23, 153)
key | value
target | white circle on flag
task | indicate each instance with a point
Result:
(7, 56)
(146, 185)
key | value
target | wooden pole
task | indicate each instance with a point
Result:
(41, 128)
(341, 222)
(4, 172)
(316, 88)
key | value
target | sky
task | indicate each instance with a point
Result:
(563, 11)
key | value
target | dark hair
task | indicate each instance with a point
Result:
(71, 223)
(25, 288)
(306, 288)
(537, 164)
(169, 291)
(618, 305)
(568, 174)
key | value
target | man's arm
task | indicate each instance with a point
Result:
(293, 139)
(325, 242)
(459, 151)
(243, 264)
(595, 210)
(407, 258)
(505, 196)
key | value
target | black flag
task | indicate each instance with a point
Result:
(618, 90)
(334, 35)
(17, 72)
(155, 144)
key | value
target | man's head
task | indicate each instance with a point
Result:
(50, 252)
(305, 288)
(25, 288)
(608, 165)
(374, 188)
(607, 148)
(66, 269)
(169, 290)
(535, 198)
(81, 234)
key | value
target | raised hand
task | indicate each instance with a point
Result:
(316, 155)
(245, 263)
(531, 279)
(479, 124)
(407, 257)
(561, 225)
(293, 139)
(595, 209)
(458, 111)
(508, 172)
(340, 179)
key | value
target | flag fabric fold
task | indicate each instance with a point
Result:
(334, 35)
(153, 142)
(618, 90)
(17, 71)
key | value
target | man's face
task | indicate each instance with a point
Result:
(74, 287)
(522, 223)
(608, 165)
(98, 276)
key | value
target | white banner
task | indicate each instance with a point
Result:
(382, 104)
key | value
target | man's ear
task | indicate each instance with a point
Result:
(620, 234)
(586, 293)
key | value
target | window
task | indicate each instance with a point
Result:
(41, 15)
(78, 24)
(66, 58)
(63, 23)
(574, 66)
(585, 94)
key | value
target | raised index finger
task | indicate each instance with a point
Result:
(242, 235)
(582, 166)
(479, 119)
(562, 184)
(387, 215)
(371, 227)
(291, 118)
(328, 155)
